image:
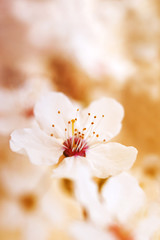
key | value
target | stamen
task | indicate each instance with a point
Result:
(59, 112)
(52, 125)
(98, 122)
(94, 116)
(73, 121)
(79, 142)
(51, 134)
(89, 114)
(88, 132)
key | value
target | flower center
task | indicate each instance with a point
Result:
(75, 146)
(78, 140)
(28, 202)
(120, 233)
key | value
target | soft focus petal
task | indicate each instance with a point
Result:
(110, 159)
(85, 231)
(46, 113)
(109, 125)
(69, 167)
(40, 148)
(123, 196)
(150, 225)
(86, 191)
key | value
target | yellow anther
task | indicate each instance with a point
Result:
(73, 121)
(79, 132)
(94, 116)
(104, 140)
(92, 123)
(69, 122)
(52, 125)
(59, 112)
(84, 129)
(51, 134)
(102, 115)
(97, 135)
(65, 129)
(77, 109)
(75, 129)
(93, 132)
(89, 114)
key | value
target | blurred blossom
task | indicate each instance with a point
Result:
(90, 30)
(68, 137)
(148, 174)
(30, 203)
(117, 213)
(85, 49)
(19, 96)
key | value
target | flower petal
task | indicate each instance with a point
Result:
(40, 148)
(149, 226)
(110, 159)
(69, 167)
(85, 231)
(109, 125)
(86, 192)
(123, 196)
(46, 113)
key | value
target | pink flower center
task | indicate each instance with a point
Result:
(75, 146)
(28, 113)
(120, 232)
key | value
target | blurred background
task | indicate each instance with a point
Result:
(86, 49)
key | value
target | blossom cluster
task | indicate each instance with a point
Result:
(77, 145)
(73, 166)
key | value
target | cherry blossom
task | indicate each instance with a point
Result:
(67, 137)
(119, 212)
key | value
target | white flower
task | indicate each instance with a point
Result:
(67, 137)
(32, 204)
(118, 213)
(17, 112)
(120, 198)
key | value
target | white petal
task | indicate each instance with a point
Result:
(36, 227)
(147, 229)
(110, 159)
(40, 148)
(86, 192)
(85, 231)
(109, 125)
(123, 196)
(150, 224)
(46, 113)
(69, 167)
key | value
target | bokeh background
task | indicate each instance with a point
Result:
(86, 49)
